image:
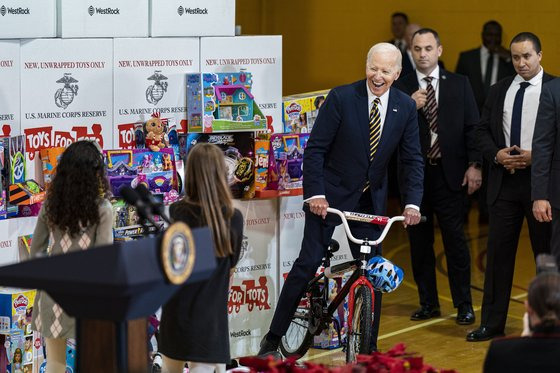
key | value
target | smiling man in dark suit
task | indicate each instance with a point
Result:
(345, 163)
(505, 133)
(447, 119)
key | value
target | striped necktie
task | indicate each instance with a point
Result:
(374, 128)
(431, 113)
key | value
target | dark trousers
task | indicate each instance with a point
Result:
(555, 241)
(447, 205)
(316, 238)
(506, 219)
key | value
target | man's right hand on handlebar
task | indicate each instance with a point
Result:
(411, 216)
(318, 206)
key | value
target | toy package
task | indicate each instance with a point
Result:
(239, 156)
(156, 170)
(23, 347)
(300, 111)
(262, 149)
(222, 102)
(328, 339)
(28, 192)
(50, 158)
(286, 161)
(14, 160)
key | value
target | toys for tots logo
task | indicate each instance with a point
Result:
(249, 294)
(43, 137)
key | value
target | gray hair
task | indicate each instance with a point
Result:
(386, 48)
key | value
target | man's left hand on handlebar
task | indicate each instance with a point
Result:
(411, 216)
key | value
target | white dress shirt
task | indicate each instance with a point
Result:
(528, 112)
(484, 54)
(435, 81)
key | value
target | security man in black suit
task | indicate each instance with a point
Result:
(505, 133)
(486, 65)
(447, 116)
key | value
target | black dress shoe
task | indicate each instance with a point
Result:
(482, 334)
(268, 347)
(465, 314)
(425, 313)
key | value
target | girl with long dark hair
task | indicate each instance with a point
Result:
(75, 216)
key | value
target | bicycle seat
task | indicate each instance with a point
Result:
(333, 247)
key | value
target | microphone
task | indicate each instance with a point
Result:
(156, 207)
(144, 210)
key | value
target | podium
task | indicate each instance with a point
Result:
(110, 290)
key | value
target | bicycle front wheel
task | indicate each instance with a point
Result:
(298, 339)
(358, 340)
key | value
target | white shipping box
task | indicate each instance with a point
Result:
(9, 89)
(192, 18)
(259, 55)
(254, 289)
(150, 75)
(27, 19)
(68, 90)
(103, 18)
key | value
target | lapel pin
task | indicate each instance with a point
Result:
(444, 77)
(395, 109)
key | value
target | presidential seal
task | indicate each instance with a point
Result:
(178, 253)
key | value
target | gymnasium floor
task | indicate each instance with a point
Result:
(441, 341)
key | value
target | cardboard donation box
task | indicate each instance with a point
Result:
(21, 19)
(103, 18)
(192, 18)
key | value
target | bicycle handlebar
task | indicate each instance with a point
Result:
(373, 219)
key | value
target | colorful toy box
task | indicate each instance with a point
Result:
(49, 159)
(300, 111)
(222, 102)
(23, 347)
(328, 339)
(156, 170)
(286, 161)
(239, 156)
(28, 192)
(14, 160)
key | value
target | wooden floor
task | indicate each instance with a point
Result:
(441, 341)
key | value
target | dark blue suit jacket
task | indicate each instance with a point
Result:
(336, 160)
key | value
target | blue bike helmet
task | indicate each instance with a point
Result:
(384, 275)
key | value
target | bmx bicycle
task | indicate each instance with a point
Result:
(315, 312)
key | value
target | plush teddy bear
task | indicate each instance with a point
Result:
(155, 133)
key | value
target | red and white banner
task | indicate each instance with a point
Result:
(150, 76)
(254, 291)
(68, 89)
(10, 88)
(260, 55)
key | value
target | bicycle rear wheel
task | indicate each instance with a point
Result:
(358, 341)
(298, 339)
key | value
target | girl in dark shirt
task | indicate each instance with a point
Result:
(194, 323)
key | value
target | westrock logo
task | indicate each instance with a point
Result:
(110, 11)
(4, 10)
(65, 95)
(182, 11)
(155, 92)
